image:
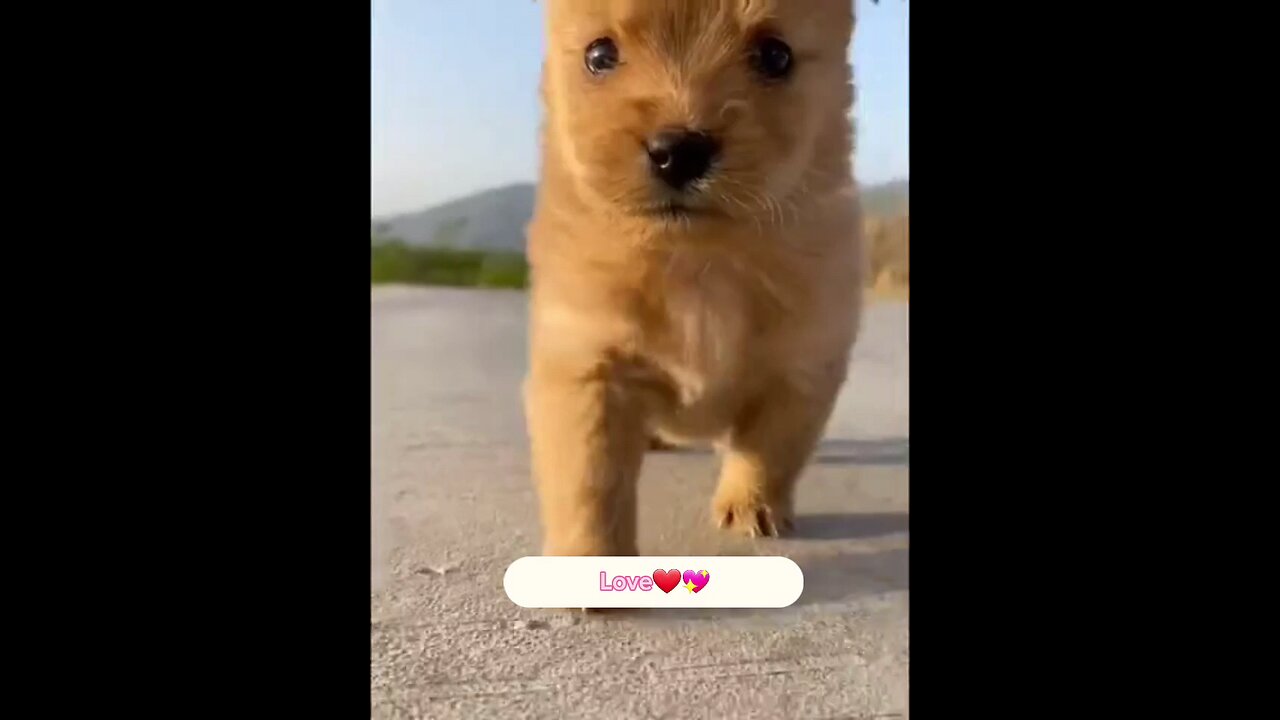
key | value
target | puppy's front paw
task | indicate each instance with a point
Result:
(751, 516)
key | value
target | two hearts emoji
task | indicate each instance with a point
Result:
(666, 580)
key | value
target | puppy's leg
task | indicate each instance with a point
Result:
(587, 441)
(765, 455)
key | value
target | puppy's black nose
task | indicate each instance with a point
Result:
(680, 156)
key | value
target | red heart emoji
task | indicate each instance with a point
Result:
(666, 580)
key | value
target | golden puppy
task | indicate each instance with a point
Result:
(697, 267)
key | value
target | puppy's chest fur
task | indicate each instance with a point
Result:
(702, 326)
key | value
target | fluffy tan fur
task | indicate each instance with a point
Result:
(731, 324)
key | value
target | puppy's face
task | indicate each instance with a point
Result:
(676, 110)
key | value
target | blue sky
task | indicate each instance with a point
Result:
(454, 105)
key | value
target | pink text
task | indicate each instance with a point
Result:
(625, 582)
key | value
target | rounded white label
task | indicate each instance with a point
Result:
(651, 582)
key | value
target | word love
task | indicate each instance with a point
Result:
(626, 582)
(664, 580)
(679, 581)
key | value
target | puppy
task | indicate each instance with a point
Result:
(695, 251)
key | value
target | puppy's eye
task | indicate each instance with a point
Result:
(771, 58)
(602, 56)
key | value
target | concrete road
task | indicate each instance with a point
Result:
(454, 506)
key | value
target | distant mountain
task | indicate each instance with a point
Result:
(488, 220)
(495, 219)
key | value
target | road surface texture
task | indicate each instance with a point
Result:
(454, 505)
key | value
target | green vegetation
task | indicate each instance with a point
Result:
(888, 241)
(393, 261)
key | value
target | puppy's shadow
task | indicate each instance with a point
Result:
(848, 576)
(891, 452)
(832, 574)
(849, 526)
(856, 569)
(883, 452)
